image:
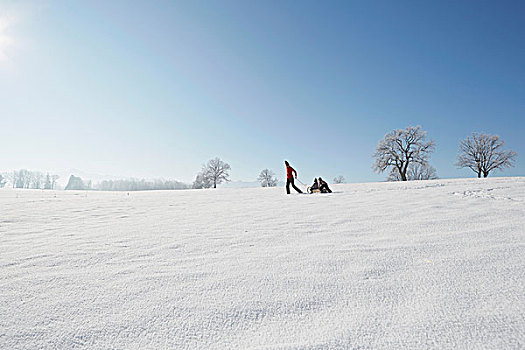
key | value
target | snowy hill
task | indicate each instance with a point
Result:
(240, 184)
(420, 265)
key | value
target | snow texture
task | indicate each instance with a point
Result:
(421, 265)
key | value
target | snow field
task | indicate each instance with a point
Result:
(420, 265)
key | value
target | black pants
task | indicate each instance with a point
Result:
(324, 188)
(288, 182)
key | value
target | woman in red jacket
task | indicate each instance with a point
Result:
(289, 177)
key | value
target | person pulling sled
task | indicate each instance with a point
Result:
(289, 178)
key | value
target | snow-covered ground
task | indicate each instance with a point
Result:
(420, 265)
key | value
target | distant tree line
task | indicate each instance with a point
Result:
(76, 183)
(29, 179)
(140, 185)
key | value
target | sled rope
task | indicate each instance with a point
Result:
(301, 182)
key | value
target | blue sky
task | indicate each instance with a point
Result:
(155, 89)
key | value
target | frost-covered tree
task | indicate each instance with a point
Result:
(201, 182)
(267, 178)
(216, 172)
(483, 153)
(47, 183)
(2, 181)
(402, 147)
(11, 178)
(54, 179)
(339, 179)
(8, 178)
(138, 185)
(22, 178)
(422, 172)
(36, 179)
(415, 172)
(75, 183)
(17, 181)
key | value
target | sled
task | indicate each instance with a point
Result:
(313, 191)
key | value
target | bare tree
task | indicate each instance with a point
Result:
(415, 172)
(214, 172)
(22, 178)
(18, 181)
(483, 153)
(11, 178)
(36, 179)
(267, 178)
(47, 184)
(54, 179)
(402, 147)
(422, 172)
(339, 179)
